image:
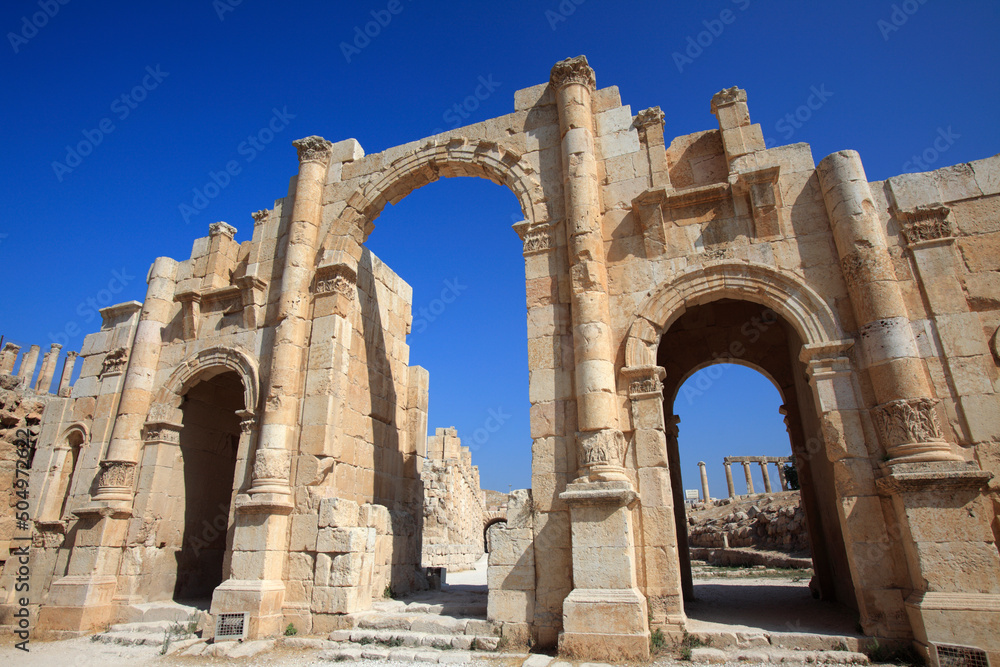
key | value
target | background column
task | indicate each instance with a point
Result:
(704, 482)
(767, 478)
(749, 476)
(729, 479)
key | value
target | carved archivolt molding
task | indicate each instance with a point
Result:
(795, 301)
(233, 358)
(907, 421)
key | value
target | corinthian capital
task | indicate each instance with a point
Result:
(573, 70)
(313, 149)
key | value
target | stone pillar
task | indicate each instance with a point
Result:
(906, 408)
(67, 374)
(28, 362)
(48, 371)
(8, 357)
(600, 442)
(767, 478)
(746, 473)
(605, 616)
(261, 526)
(124, 450)
(704, 482)
(82, 600)
(781, 475)
(729, 479)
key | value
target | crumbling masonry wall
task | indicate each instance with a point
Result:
(454, 504)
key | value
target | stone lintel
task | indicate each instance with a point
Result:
(599, 493)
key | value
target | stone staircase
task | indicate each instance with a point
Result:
(423, 621)
(161, 624)
(717, 647)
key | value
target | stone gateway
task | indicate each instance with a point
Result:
(253, 432)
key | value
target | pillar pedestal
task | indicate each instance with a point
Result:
(605, 616)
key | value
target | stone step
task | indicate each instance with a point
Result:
(168, 610)
(791, 641)
(441, 624)
(468, 606)
(408, 655)
(708, 655)
(415, 640)
(130, 638)
(151, 633)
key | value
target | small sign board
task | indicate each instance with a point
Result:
(691, 494)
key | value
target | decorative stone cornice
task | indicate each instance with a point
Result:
(649, 117)
(925, 223)
(936, 478)
(223, 229)
(728, 96)
(573, 70)
(313, 149)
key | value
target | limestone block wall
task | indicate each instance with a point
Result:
(453, 504)
(511, 571)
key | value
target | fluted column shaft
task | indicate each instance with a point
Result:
(905, 410)
(284, 378)
(137, 388)
(601, 443)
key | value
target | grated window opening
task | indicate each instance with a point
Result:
(231, 626)
(961, 656)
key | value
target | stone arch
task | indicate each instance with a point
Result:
(212, 360)
(78, 429)
(713, 362)
(798, 303)
(458, 156)
(68, 452)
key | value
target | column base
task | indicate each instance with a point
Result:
(261, 598)
(78, 605)
(957, 619)
(605, 625)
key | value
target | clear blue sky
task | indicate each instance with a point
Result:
(216, 76)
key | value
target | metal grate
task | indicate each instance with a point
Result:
(961, 656)
(231, 626)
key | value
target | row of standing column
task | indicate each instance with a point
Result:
(748, 475)
(8, 359)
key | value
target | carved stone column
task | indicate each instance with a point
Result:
(729, 479)
(905, 412)
(48, 369)
(600, 441)
(704, 482)
(261, 523)
(605, 616)
(767, 477)
(67, 373)
(8, 357)
(781, 475)
(28, 363)
(749, 478)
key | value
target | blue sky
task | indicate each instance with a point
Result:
(201, 78)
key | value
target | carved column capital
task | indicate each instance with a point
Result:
(926, 224)
(910, 432)
(313, 149)
(114, 482)
(644, 381)
(728, 96)
(260, 216)
(163, 432)
(651, 117)
(271, 469)
(573, 70)
(222, 229)
(602, 455)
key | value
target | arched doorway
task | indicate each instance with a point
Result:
(751, 335)
(209, 444)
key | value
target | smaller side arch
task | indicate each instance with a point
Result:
(203, 365)
(798, 303)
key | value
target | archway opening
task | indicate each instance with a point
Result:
(67, 473)
(453, 243)
(736, 388)
(205, 472)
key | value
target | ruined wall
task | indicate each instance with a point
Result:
(453, 504)
(766, 522)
